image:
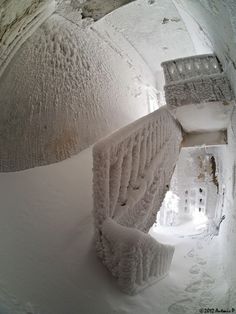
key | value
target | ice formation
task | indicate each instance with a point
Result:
(132, 169)
(195, 80)
(18, 20)
(76, 87)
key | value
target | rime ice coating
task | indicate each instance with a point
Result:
(131, 170)
(76, 87)
(194, 80)
(19, 19)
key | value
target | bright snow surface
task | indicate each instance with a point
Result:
(48, 263)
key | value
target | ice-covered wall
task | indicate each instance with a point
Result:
(228, 227)
(18, 20)
(65, 88)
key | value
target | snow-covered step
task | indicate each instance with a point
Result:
(132, 169)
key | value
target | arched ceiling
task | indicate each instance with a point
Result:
(155, 29)
(152, 31)
(152, 27)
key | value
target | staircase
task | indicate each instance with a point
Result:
(132, 169)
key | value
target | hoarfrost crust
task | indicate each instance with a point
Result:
(18, 20)
(195, 80)
(132, 169)
(64, 89)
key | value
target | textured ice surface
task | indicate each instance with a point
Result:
(202, 89)
(198, 93)
(194, 80)
(64, 89)
(18, 21)
(190, 67)
(135, 258)
(132, 170)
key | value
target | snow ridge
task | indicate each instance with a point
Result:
(132, 169)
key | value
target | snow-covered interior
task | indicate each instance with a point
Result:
(66, 82)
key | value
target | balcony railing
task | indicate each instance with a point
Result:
(195, 79)
(190, 67)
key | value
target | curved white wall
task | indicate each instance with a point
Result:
(65, 88)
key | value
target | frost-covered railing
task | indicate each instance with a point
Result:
(132, 169)
(195, 79)
(190, 67)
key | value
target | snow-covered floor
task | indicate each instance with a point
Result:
(196, 274)
(48, 264)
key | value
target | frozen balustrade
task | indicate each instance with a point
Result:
(195, 79)
(190, 67)
(132, 169)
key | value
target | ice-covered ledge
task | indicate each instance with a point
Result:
(208, 88)
(195, 80)
(205, 139)
(18, 20)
